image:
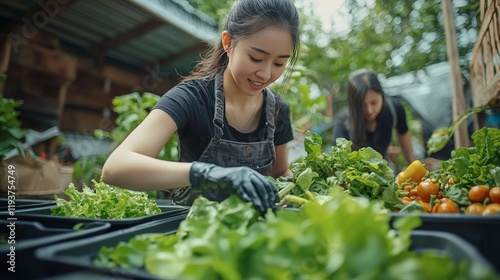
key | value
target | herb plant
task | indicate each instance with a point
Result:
(361, 173)
(104, 201)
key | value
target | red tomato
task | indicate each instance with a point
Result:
(427, 188)
(408, 188)
(406, 200)
(475, 208)
(426, 206)
(495, 194)
(478, 193)
(445, 205)
(492, 208)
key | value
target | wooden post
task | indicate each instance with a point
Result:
(5, 50)
(458, 100)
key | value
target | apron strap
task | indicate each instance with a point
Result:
(270, 111)
(219, 107)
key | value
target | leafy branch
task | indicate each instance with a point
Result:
(442, 135)
(11, 132)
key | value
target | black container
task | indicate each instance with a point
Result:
(29, 236)
(86, 275)
(24, 203)
(76, 257)
(43, 214)
(483, 232)
(161, 202)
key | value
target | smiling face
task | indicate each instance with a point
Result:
(372, 105)
(256, 61)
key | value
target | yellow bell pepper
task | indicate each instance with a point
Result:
(413, 173)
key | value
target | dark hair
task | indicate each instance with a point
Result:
(245, 18)
(360, 82)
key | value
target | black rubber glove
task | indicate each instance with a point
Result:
(250, 185)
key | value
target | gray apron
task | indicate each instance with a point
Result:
(258, 155)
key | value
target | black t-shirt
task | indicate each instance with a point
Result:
(381, 137)
(191, 104)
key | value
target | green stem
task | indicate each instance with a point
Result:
(441, 136)
(293, 199)
(465, 115)
(310, 195)
(284, 191)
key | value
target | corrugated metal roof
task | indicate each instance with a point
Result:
(134, 33)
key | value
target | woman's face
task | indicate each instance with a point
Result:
(257, 60)
(372, 105)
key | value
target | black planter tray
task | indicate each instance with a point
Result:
(85, 274)
(29, 236)
(78, 256)
(163, 202)
(24, 203)
(43, 214)
(480, 231)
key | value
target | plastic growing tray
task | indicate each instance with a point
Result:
(24, 203)
(480, 231)
(29, 236)
(78, 256)
(43, 214)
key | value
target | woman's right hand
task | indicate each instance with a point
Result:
(250, 185)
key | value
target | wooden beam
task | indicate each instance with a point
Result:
(109, 72)
(61, 97)
(458, 100)
(484, 67)
(47, 61)
(101, 48)
(5, 51)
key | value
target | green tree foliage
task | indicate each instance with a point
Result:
(216, 9)
(392, 37)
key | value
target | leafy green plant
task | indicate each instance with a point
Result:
(104, 202)
(361, 173)
(307, 108)
(471, 166)
(132, 109)
(343, 238)
(11, 133)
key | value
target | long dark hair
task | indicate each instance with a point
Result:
(359, 83)
(245, 18)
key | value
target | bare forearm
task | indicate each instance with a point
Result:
(280, 167)
(143, 173)
(285, 173)
(406, 146)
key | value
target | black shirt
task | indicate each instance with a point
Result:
(381, 137)
(191, 105)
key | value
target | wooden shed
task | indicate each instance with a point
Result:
(485, 62)
(67, 59)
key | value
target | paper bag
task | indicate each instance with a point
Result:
(31, 176)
